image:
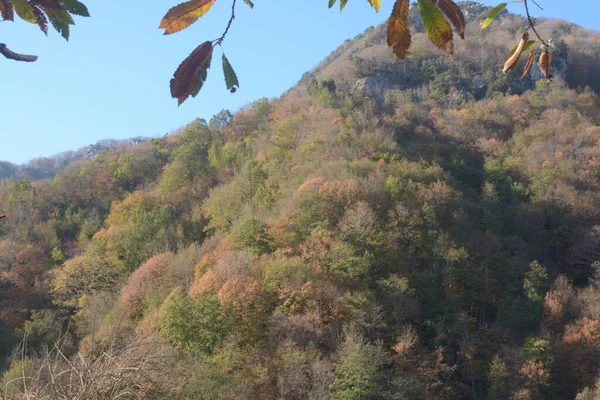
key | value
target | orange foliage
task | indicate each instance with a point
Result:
(28, 268)
(249, 302)
(280, 229)
(537, 378)
(207, 283)
(218, 267)
(579, 353)
(315, 249)
(149, 275)
(309, 184)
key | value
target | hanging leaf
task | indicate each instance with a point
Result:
(455, 15)
(24, 10)
(544, 62)
(60, 20)
(184, 15)
(528, 64)
(250, 4)
(332, 3)
(6, 10)
(493, 14)
(42, 21)
(375, 4)
(231, 79)
(437, 28)
(525, 48)
(398, 30)
(514, 59)
(203, 73)
(75, 7)
(343, 4)
(191, 73)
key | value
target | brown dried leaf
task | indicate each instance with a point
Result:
(513, 61)
(545, 61)
(6, 10)
(398, 30)
(455, 15)
(42, 21)
(528, 64)
(188, 73)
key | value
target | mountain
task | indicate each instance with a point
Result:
(366, 64)
(418, 229)
(47, 167)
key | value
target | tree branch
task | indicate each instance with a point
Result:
(11, 55)
(531, 24)
(220, 40)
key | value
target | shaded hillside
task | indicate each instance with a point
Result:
(437, 239)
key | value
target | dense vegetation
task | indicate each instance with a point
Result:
(426, 229)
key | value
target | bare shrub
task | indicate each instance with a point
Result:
(138, 368)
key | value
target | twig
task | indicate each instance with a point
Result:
(220, 40)
(11, 55)
(538, 6)
(531, 24)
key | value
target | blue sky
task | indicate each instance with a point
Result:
(111, 80)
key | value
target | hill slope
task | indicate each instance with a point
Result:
(47, 167)
(426, 229)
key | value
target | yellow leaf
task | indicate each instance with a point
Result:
(185, 14)
(375, 4)
(398, 30)
(437, 28)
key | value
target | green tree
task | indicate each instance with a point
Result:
(189, 161)
(358, 373)
(535, 284)
(498, 378)
(250, 235)
(197, 325)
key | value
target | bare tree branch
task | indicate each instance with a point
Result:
(11, 55)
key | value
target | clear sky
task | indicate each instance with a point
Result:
(111, 80)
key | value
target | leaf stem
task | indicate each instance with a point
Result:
(531, 24)
(220, 40)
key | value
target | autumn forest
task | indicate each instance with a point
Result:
(426, 228)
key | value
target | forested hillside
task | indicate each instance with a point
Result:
(418, 229)
(46, 167)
